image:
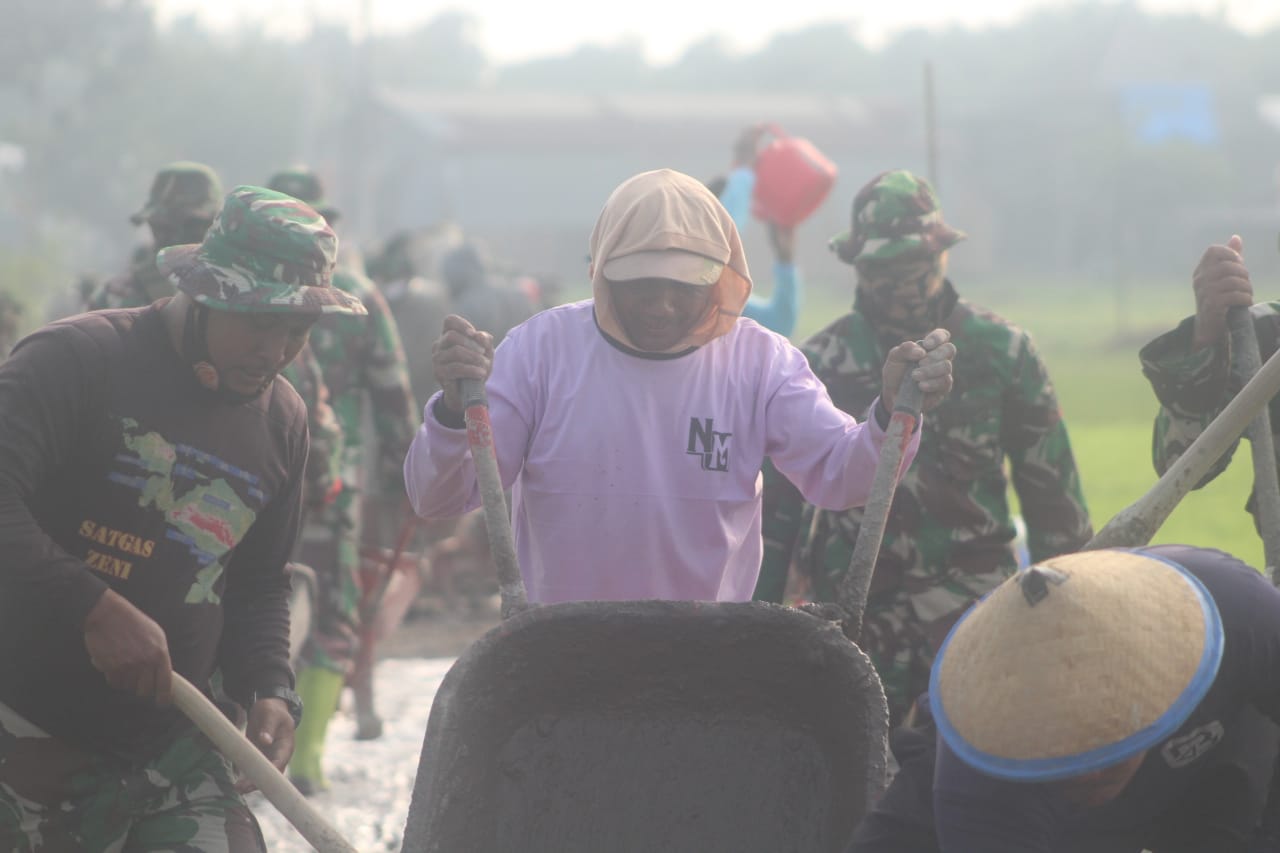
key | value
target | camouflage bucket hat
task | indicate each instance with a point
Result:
(182, 189)
(265, 253)
(304, 185)
(896, 217)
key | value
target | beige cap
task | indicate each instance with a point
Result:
(665, 224)
(672, 264)
(1076, 664)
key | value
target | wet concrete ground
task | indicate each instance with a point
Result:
(371, 782)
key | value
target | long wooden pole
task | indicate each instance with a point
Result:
(856, 584)
(1137, 523)
(931, 124)
(1266, 489)
(497, 522)
(257, 769)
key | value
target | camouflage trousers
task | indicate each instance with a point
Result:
(56, 798)
(330, 545)
(907, 617)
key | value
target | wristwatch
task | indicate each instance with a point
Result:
(290, 698)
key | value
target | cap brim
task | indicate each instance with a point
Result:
(850, 251)
(142, 215)
(948, 237)
(198, 277)
(673, 264)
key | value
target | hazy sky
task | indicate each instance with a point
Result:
(518, 29)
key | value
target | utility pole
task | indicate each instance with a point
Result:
(930, 125)
(360, 113)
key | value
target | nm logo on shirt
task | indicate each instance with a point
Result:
(710, 446)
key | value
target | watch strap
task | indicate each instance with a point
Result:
(287, 695)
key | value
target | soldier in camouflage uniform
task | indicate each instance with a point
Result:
(184, 200)
(365, 372)
(949, 535)
(324, 459)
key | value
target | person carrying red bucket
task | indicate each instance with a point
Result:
(782, 182)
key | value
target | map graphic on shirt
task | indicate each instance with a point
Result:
(208, 516)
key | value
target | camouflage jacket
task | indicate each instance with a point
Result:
(950, 520)
(362, 359)
(139, 287)
(324, 459)
(1194, 387)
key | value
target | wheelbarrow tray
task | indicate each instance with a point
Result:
(651, 725)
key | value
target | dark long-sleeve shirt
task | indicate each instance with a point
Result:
(118, 470)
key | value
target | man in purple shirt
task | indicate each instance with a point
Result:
(1108, 701)
(631, 427)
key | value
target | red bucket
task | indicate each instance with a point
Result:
(792, 179)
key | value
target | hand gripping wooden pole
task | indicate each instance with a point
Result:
(497, 522)
(258, 769)
(856, 584)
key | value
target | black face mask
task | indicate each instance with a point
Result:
(903, 308)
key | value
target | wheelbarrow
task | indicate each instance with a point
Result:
(656, 725)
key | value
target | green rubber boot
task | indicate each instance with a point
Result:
(320, 689)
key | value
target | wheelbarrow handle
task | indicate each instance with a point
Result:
(851, 596)
(1245, 364)
(1137, 523)
(278, 790)
(497, 521)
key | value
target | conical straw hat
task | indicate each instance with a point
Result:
(1075, 664)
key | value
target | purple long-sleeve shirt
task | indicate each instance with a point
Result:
(637, 476)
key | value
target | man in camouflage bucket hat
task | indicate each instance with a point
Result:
(151, 472)
(363, 364)
(184, 200)
(949, 538)
(896, 217)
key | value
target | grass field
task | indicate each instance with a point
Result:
(1090, 341)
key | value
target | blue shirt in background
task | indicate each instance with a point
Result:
(780, 311)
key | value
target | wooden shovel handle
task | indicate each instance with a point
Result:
(258, 769)
(497, 521)
(1137, 523)
(1246, 362)
(856, 583)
